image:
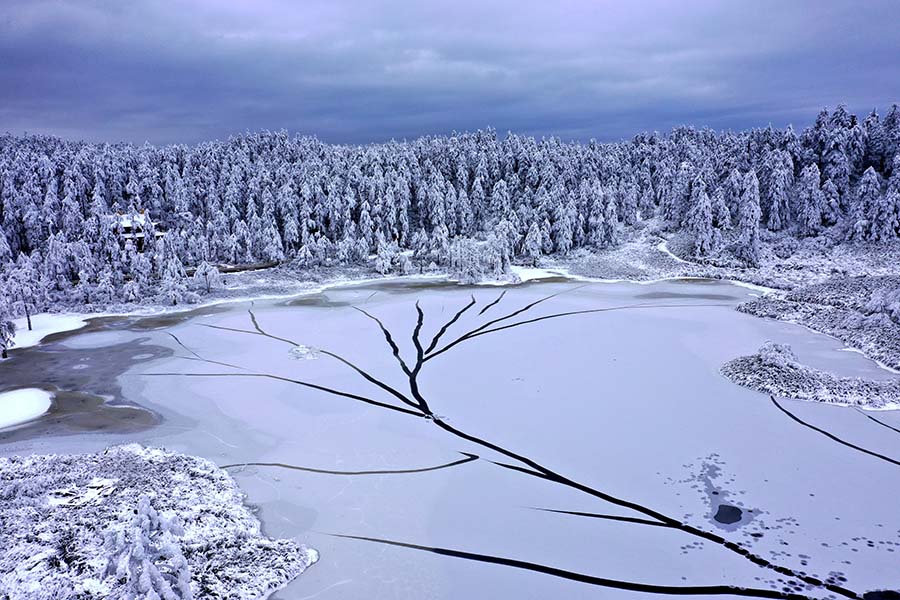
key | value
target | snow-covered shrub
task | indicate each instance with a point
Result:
(886, 300)
(82, 527)
(206, 277)
(145, 557)
(774, 369)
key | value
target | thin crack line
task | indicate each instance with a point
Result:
(468, 458)
(647, 588)
(486, 308)
(831, 436)
(602, 516)
(299, 382)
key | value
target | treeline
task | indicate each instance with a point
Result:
(472, 200)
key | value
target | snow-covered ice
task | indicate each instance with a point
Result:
(572, 391)
(23, 405)
(45, 324)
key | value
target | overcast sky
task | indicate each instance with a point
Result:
(372, 70)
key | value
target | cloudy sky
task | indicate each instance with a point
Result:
(372, 70)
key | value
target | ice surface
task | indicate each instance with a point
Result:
(23, 405)
(628, 401)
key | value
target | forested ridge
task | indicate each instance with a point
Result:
(468, 198)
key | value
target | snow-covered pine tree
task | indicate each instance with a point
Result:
(533, 243)
(172, 285)
(611, 226)
(864, 209)
(831, 204)
(781, 176)
(145, 558)
(810, 201)
(721, 214)
(747, 246)
(699, 220)
(885, 216)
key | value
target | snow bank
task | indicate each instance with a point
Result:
(21, 406)
(74, 525)
(45, 324)
(776, 370)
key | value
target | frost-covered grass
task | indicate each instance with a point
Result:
(21, 406)
(128, 520)
(776, 370)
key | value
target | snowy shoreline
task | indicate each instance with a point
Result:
(671, 268)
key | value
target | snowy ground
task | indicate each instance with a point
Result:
(627, 401)
(70, 530)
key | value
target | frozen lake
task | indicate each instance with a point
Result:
(589, 437)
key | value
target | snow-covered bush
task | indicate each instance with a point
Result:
(145, 557)
(206, 277)
(774, 369)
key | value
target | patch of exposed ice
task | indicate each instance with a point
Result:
(21, 406)
(302, 352)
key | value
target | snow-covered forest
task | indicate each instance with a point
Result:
(93, 223)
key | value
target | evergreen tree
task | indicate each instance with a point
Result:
(831, 204)
(810, 200)
(868, 196)
(172, 285)
(781, 174)
(885, 217)
(747, 247)
(699, 222)
(533, 242)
